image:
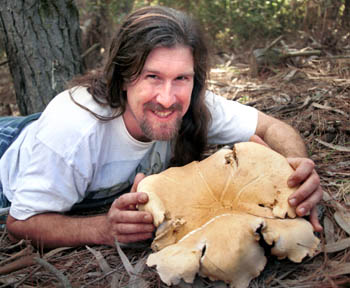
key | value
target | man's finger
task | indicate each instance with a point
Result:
(309, 189)
(125, 201)
(127, 216)
(303, 168)
(309, 203)
(314, 220)
(138, 178)
(133, 228)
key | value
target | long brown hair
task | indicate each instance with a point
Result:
(141, 32)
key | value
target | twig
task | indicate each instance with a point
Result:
(26, 251)
(55, 251)
(99, 279)
(17, 284)
(18, 244)
(319, 106)
(8, 284)
(60, 276)
(274, 42)
(334, 147)
(4, 62)
(302, 53)
(3, 235)
(281, 283)
(88, 51)
(17, 264)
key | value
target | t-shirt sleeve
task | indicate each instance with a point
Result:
(49, 183)
(231, 121)
(58, 157)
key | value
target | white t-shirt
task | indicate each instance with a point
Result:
(67, 154)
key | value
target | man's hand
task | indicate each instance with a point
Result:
(309, 193)
(122, 222)
(125, 222)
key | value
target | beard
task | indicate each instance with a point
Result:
(161, 131)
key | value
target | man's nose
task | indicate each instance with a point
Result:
(166, 95)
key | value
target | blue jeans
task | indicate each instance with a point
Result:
(10, 128)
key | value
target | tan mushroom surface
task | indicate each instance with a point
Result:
(210, 216)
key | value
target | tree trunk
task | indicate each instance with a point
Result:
(99, 26)
(334, 9)
(42, 41)
(346, 15)
(97, 33)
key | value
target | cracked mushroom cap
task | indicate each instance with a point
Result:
(199, 252)
(208, 214)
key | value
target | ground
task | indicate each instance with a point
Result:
(310, 93)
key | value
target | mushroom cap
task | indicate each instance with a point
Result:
(215, 256)
(210, 214)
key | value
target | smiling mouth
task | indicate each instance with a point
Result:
(163, 114)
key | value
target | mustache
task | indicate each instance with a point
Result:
(158, 107)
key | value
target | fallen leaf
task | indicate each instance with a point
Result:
(328, 230)
(100, 259)
(337, 246)
(343, 220)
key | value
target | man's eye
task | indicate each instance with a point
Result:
(152, 76)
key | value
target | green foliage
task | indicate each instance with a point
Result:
(230, 23)
(115, 10)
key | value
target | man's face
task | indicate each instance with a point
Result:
(159, 98)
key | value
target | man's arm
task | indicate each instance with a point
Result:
(55, 230)
(284, 139)
(280, 137)
(122, 222)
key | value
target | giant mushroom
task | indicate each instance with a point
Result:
(212, 215)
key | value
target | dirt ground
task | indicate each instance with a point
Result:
(313, 95)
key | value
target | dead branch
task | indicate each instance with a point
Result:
(18, 264)
(334, 147)
(4, 62)
(274, 43)
(261, 58)
(91, 49)
(26, 251)
(14, 246)
(316, 105)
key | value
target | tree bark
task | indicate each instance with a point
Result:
(99, 27)
(42, 42)
(346, 15)
(97, 33)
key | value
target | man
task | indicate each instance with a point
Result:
(146, 110)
